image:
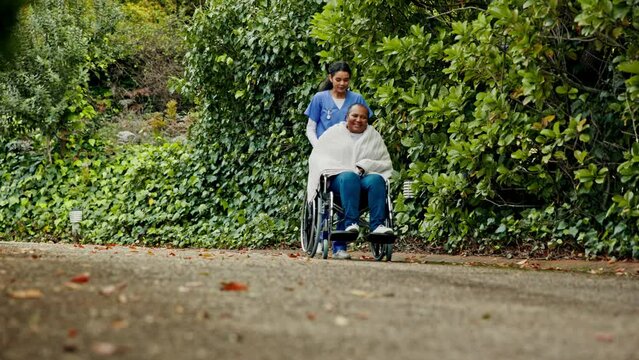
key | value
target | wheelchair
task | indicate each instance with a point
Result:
(321, 216)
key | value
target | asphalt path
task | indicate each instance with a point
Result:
(64, 301)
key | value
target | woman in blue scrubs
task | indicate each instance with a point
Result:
(329, 106)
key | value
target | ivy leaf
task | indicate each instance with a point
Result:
(630, 67)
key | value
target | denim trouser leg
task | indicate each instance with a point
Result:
(347, 185)
(375, 186)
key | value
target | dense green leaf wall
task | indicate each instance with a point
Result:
(515, 120)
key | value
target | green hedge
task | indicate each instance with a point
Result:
(516, 120)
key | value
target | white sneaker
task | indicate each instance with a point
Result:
(341, 255)
(383, 230)
(352, 228)
(320, 246)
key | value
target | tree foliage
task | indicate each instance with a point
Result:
(43, 85)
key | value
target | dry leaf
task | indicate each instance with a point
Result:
(105, 348)
(341, 321)
(80, 279)
(233, 286)
(26, 294)
(202, 315)
(361, 293)
(311, 316)
(111, 289)
(119, 324)
(122, 299)
(296, 255)
(604, 337)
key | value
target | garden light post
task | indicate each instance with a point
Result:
(408, 189)
(75, 216)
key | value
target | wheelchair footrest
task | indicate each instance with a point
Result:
(347, 236)
(382, 238)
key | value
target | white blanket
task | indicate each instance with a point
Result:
(337, 152)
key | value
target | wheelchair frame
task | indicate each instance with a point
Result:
(321, 216)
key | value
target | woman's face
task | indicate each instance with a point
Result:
(357, 119)
(340, 81)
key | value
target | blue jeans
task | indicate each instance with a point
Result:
(349, 186)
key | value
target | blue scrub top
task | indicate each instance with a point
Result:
(325, 112)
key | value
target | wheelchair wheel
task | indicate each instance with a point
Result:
(389, 251)
(309, 228)
(377, 250)
(381, 251)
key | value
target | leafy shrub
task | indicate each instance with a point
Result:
(251, 67)
(513, 118)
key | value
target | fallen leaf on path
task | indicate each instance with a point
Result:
(233, 286)
(341, 321)
(81, 279)
(362, 316)
(26, 294)
(311, 316)
(202, 315)
(412, 259)
(603, 337)
(105, 348)
(73, 332)
(119, 324)
(362, 293)
(523, 262)
(111, 289)
(296, 255)
(366, 257)
(620, 271)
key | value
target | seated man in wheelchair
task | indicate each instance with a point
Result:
(355, 156)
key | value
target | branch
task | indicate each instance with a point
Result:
(632, 116)
(455, 10)
(509, 205)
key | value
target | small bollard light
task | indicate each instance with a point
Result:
(408, 189)
(75, 216)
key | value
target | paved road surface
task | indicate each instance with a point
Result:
(69, 302)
